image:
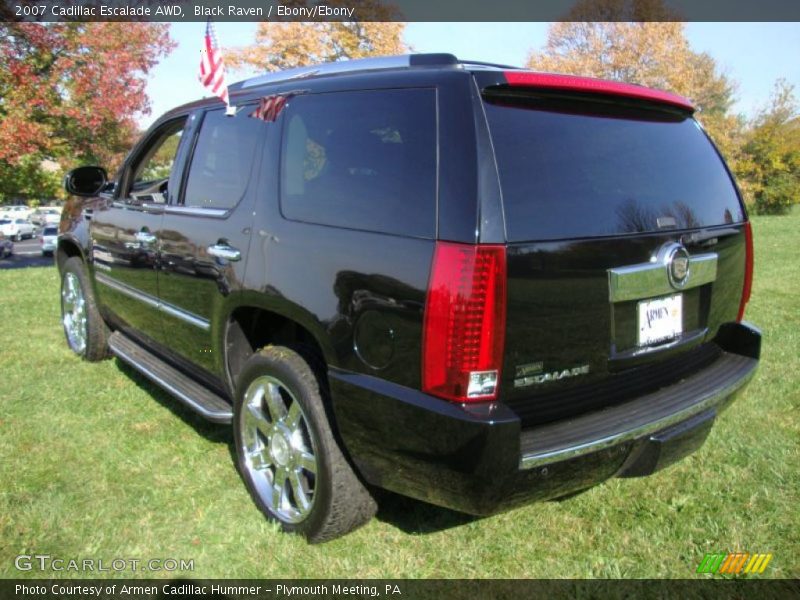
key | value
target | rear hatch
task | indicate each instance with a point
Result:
(626, 243)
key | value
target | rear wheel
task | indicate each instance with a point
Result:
(87, 334)
(287, 453)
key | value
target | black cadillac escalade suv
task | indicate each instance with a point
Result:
(474, 285)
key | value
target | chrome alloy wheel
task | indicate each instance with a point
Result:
(73, 312)
(278, 449)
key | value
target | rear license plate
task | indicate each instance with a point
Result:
(660, 319)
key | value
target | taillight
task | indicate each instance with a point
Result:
(465, 322)
(747, 286)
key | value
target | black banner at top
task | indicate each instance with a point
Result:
(399, 10)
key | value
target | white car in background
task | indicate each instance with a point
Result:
(16, 211)
(46, 215)
(49, 240)
(17, 229)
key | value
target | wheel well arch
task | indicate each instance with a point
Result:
(67, 248)
(250, 328)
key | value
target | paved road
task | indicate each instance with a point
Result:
(27, 253)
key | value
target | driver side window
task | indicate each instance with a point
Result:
(151, 172)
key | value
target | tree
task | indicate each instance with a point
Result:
(285, 45)
(771, 153)
(29, 178)
(71, 92)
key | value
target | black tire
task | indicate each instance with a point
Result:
(96, 331)
(340, 501)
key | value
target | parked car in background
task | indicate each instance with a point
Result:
(17, 229)
(6, 246)
(49, 240)
(46, 215)
(16, 211)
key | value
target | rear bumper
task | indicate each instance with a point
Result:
(478, 459)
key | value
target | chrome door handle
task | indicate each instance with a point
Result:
(224, 251)
(145, 237)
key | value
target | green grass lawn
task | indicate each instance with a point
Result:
(97, 463)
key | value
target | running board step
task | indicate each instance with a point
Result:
(192, 394)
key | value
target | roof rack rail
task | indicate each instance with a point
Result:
(345, 66)
(491, 65)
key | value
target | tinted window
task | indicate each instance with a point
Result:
(222, 160)
(50, 231)
(581, 174)
(158, 160)
(364, 160)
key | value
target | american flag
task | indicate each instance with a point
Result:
(269, 107)
(212, 67)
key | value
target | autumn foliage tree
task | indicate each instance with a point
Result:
(285, 45)
(771, 153)
(71, 93)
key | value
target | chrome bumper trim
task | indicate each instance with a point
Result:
(529, 461)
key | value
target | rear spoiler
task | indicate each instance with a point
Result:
(573, 83)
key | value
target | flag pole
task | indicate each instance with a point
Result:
(212, 68)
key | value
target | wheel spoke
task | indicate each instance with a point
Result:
(293, 417)
(278, 484)
(306, 460)
(255, 417)
(259, 459)
(299, 492)
(275, 403)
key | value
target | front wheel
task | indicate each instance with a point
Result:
(87, 334)
(286, 451)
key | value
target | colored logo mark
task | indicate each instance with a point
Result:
(734, 563)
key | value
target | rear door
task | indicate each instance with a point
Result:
(626, 248)
(205, 233)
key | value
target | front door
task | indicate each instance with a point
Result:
(124, 233)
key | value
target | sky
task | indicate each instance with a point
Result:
(752, 54)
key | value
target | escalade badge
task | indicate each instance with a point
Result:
(539, 378)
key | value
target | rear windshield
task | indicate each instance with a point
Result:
(587, 171)
(50, 231)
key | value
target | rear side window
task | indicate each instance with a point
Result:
(222, 160)
(363, 160)
(600, 172)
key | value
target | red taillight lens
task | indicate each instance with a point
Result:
(465, 322)
(747, 286)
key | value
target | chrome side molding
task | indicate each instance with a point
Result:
(164, 307)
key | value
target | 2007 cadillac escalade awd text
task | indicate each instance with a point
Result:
(470, 284)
